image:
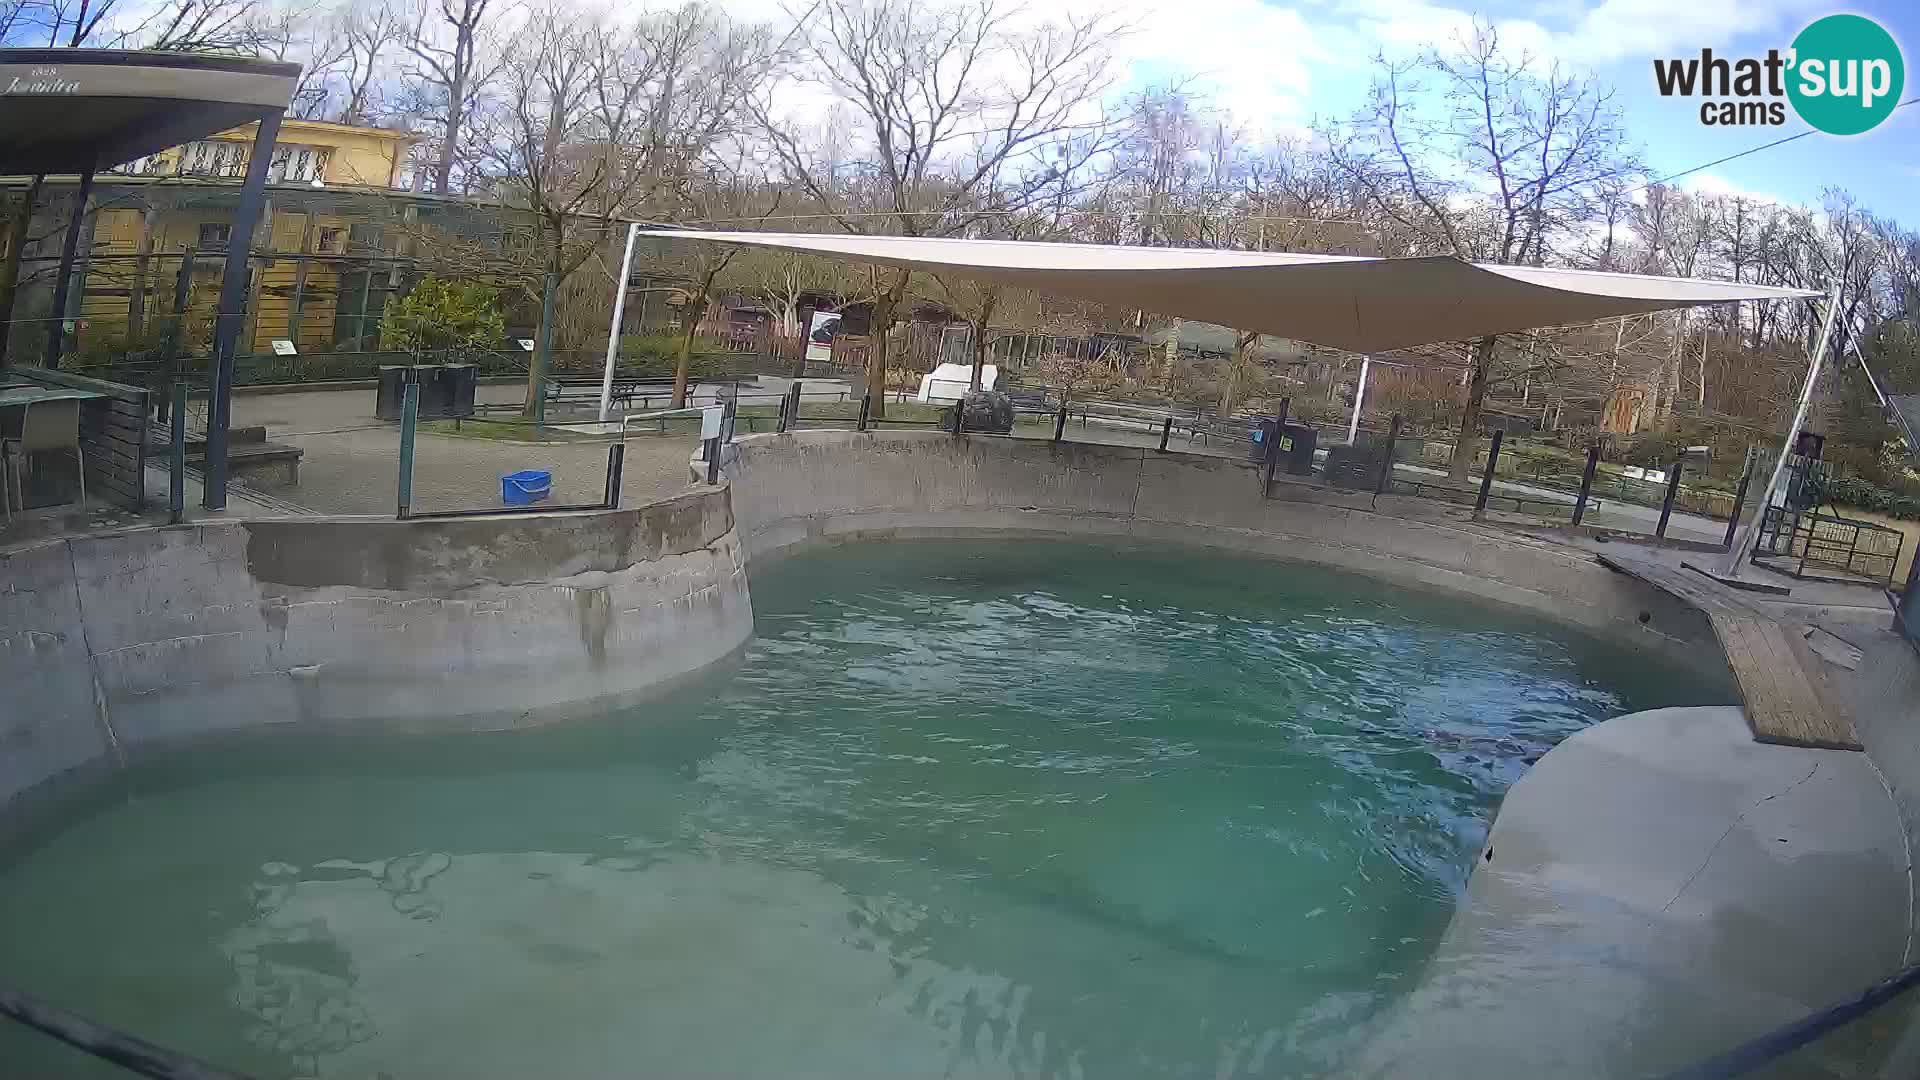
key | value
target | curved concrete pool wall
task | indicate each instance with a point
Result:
(114, 641)
(1655, 890)
(801, 488)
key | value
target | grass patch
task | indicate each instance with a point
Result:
(507, 431)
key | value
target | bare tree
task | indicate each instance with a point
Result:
(948, 103)
(598, 121)
(454, 61)
(1517, 156)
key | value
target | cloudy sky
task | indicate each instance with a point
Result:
(1279, 65)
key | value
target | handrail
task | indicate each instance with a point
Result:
(1784, 1040)
(127, 1051)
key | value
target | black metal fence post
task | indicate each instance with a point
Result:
(866, 410)
(1385, 483)
(1166, 429)
(177, 457)
(1486, 478)
(616, 468)
(1586, 483)
(1666, 506)
(409, 423)
(1273, 448)
(1060, 422)
(1739, 500)
(959, 417)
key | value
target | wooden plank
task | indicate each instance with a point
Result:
(1787, 700)
(118, 426)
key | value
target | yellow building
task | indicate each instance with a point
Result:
(171, 211)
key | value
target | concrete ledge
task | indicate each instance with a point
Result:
(1656, 890)
(118, 641)
(815, 487)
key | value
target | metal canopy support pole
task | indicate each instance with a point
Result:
(1738, 553)
(229, 316)
(1360, 395)
(69, 250)
(613, 330)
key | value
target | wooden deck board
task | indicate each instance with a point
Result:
(1786, 694)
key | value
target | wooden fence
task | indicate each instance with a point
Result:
(113, 434)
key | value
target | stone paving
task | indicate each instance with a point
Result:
(350, 463)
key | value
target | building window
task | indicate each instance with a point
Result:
(213, 158)
(214, 235)
(297, 164)
(332, 242)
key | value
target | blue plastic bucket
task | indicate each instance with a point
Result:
(526, 486)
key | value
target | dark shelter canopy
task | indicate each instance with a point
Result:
(86, 110)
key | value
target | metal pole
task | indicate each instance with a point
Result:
(543, 353)
(1666, 505)
(1586, 483)
(130, 1052)
(177, 457)
(1486, 478)
(1353, 422)
(1385, 483)
(1166, 429)
(613, 330)
(69, 250)
(866, 408)
(1060, 422)
(409, 419)
(229, 316)
(616, 473)
(1739, 500)
(1738, 553)
(1273, 448)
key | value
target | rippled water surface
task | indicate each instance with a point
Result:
(1020, 809)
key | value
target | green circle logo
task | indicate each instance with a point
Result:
(1846, 74)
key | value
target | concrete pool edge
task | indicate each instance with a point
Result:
(1657, 888)
(113, 642)
(798, 489)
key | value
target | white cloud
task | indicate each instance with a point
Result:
(1254, 59)
(1720, 187)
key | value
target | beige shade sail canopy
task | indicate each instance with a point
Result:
(1358, 304)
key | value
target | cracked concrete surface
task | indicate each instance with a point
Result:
(1658, 889)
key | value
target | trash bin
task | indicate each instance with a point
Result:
(436, 400)
(459, 381)
(388, 396)
(1297, 443)
(525, 487)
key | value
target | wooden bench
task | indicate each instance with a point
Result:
(250, 457)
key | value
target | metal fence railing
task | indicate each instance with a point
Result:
(1805, 543)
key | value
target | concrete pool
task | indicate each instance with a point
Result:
(1663, 887)
(971, 808)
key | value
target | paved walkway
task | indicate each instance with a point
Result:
(351, 460)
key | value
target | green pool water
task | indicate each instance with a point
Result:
(983, 809)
